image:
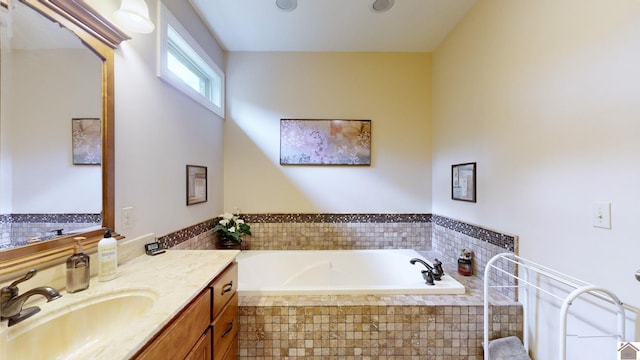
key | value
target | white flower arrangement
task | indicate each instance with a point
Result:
(232, 227)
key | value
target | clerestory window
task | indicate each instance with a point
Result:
(186, 66)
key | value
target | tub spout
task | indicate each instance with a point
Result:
(436, 272)
(415, 260)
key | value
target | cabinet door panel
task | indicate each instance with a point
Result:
(202, 350)
(177, 339)
(232, 353)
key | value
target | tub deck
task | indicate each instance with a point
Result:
(472, 296)
(401, 327)
(337, 272)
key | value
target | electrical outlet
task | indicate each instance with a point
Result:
(601, 215)
(127, 217)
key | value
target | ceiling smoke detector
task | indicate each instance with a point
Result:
(287, 5)
(381, 5)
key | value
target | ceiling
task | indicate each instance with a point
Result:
(331, 25)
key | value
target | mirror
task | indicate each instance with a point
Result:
(100, 37)
(50, 176)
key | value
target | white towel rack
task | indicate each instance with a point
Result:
(522, 283)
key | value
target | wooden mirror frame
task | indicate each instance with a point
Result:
(101, 37)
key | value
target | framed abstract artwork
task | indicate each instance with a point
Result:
(463, 182)
(86, 135)
(325, 142)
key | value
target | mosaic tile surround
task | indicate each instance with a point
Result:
(448, 242)
(358, 231)
(369, 327)
(403, 327)
(16, 229)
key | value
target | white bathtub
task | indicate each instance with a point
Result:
(336, 272)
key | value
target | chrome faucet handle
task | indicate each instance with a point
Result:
(11, 291)
(31, 273)
(11, 302)
(437, 266)
(427, 275)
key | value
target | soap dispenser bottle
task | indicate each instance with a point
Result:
(78, 272)
(107, 257)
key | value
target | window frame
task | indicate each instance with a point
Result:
(196, 55)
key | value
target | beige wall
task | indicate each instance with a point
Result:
(392, 90)
(543, 95)
(65, 84)
(159, 131)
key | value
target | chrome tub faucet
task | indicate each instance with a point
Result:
(437, 268)
(11, 302)
(432, 273)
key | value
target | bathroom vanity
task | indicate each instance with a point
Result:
(178, 305)
(206, 329)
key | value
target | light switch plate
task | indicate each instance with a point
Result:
(601, 216)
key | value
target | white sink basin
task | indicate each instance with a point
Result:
(81, 326)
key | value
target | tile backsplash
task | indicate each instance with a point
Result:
(338, 231)
(449, 236)
(17, 229)
(421, 232)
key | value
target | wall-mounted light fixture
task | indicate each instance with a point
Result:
(133, 15)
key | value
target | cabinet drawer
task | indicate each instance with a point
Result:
(177, 339)
(225, 328)
(223, 288)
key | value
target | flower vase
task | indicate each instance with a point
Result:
(228, 244)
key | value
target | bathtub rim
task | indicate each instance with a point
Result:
(448, 286)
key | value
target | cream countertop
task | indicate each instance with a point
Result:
(175, 278)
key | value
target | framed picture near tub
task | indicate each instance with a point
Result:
(463, 182)
(325, 142)
(196, 184)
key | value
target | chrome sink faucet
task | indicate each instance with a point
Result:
(11, 302)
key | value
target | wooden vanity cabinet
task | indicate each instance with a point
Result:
(179, 337)
(206, 329)
(202, 349)
(224, 314)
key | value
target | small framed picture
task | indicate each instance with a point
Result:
(86, 135)
(463, 182)
(196, 184)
